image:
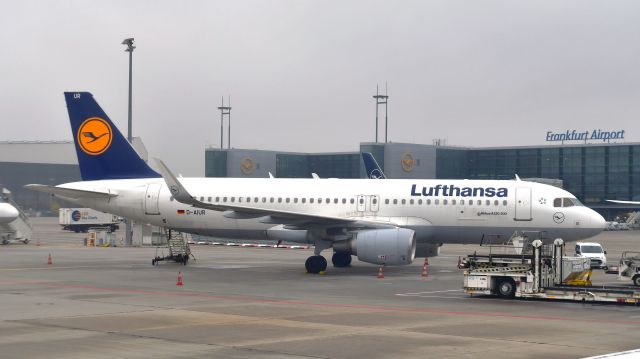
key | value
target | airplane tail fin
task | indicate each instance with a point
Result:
(371, 166)
(103, 153)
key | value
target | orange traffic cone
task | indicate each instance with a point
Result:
(380, 273)
(49, 261)
(425, 270)
(179, 284)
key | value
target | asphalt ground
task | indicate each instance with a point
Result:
(258, 303)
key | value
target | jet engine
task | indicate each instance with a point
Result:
(428, 249)
(394, 246)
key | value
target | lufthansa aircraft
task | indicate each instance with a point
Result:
(8, 213)
(383, 222)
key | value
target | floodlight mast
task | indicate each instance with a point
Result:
(128, 237)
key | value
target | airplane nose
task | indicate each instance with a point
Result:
(8, 213)
(596, 223)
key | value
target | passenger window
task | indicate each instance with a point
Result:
(327, 200)
(436, 202)
(287, 200)
(271, 199)
(428, 201)
(319, 200)
(395, 201)
(217, 199)
(335, 201)
(240, 199)
(504, 203)
(462, 201)
(374, 201)
(488, 202)
(224, 199)
(209, 199)
(310, 200)
(453, 202)
(248, 199)
(344, 201)
(444, 201)
(411, 201)
(479, 202)
(233, 199)
(404, 201)
(386, 201)
(201, 199)
(279, 199)
(352, 201)
(255, 199)
(304, 200)
(295, 200)
(361, 200)
(264, 199)
(496, 202)
(420, 201)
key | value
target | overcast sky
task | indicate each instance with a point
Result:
(301, 73)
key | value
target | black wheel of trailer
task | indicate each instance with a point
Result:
(636, 280)
(185, 259)
(506, 288)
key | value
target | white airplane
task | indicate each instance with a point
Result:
(386, 222)
(8, 213)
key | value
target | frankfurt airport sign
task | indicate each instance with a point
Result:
(595, 135)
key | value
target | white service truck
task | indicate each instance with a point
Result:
(81, 219)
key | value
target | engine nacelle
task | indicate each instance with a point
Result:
(394, 246)
(428, 250)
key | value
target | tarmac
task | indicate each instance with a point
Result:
(239, 302)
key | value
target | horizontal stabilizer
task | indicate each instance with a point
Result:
(69, 192)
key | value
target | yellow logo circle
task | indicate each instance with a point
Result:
(94, 136)
(407, 162)
(247, 166)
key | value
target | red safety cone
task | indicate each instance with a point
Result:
(49, 261)
(179, 284)
(380, 273)
(425, 269)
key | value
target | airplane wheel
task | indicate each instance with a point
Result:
(25, 241)
(341, 259)
(315, 264)
(5, 241)
(507, 288)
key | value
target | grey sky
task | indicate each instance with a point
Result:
(301, 73)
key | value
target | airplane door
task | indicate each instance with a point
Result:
(361, 203)
(375, 203)
(151, 198)
(523, 204)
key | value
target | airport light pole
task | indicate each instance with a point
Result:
(382, 100)
(128, 237)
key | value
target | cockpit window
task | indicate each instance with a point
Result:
(566, 202)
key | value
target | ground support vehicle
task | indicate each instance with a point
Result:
(178, 247)
(81, 219)
(540, 271)
(630, 267)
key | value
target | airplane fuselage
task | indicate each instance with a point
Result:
(439, 211)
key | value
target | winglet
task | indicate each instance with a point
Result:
(314, 175)
(175, 187)
(518, 178)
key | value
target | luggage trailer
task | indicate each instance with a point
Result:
(542, 272)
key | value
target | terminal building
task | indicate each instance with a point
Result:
(592, 172)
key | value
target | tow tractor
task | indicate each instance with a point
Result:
(630, 267)
(538, 270)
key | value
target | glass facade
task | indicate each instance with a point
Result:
(592, 173)
(215, 163)
(343, 165)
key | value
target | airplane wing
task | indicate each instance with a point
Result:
(293, 219)
(624, 202)
(68, 192)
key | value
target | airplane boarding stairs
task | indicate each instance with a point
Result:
(178, 247)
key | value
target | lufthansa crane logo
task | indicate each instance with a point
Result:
(94, 136)
(247, 166)
(558, 217)
(408, 162)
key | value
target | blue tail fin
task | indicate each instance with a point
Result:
(371, 166)
(103, 153)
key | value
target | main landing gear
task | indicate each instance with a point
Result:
(315, 264)
(341, 259)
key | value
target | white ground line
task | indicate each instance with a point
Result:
(432, 292)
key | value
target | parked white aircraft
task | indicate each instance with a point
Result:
(8, 213)
(383, 222)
